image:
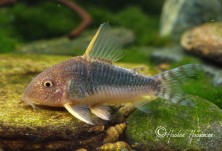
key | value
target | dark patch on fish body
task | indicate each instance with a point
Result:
(110, 75)
(89, 77)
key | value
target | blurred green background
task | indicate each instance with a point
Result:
(34, 36)
(27, 21)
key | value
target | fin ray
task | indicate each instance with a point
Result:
(101, 111)
(80, 112)
(142, 107)
(141, 104)
(170, 88)
(104, 45)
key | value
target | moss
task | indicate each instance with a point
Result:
(145, 27)
(204, 118)
(40, 21)
(148, 7)
(8, 40)
(7, 44)
(199, 86)
(36, 22)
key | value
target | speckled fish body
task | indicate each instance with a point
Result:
(90, 82)
(95, 82)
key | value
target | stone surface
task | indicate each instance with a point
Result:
(205, 41)
(162, 55)
(215, 72)
(174, 127)
(177, 16)
(64, 46)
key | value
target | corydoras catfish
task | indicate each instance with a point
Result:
(90, 82)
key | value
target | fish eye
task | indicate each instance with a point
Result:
(47, 83)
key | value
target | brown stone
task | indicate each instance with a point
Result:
(205, 41)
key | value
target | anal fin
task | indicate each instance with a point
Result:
(142, 102)
(101, 111)
(80, 112)
(142, 107)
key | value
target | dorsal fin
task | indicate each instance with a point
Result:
(104, 46)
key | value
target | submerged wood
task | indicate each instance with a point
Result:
(86, 18)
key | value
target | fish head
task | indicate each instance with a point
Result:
(47, 89)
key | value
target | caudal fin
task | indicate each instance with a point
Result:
(171, 80)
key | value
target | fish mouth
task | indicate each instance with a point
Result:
(28, 101)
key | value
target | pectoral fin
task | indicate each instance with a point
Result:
(80, 112)
(101, 111)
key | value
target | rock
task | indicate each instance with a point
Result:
(175, 127)
(162, 55)
(45, 128)
(205, 41)
(64, 46)
(215, 72)
(177, 16)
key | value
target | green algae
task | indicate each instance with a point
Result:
(183, 121)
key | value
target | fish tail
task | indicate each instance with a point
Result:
(170, 83)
